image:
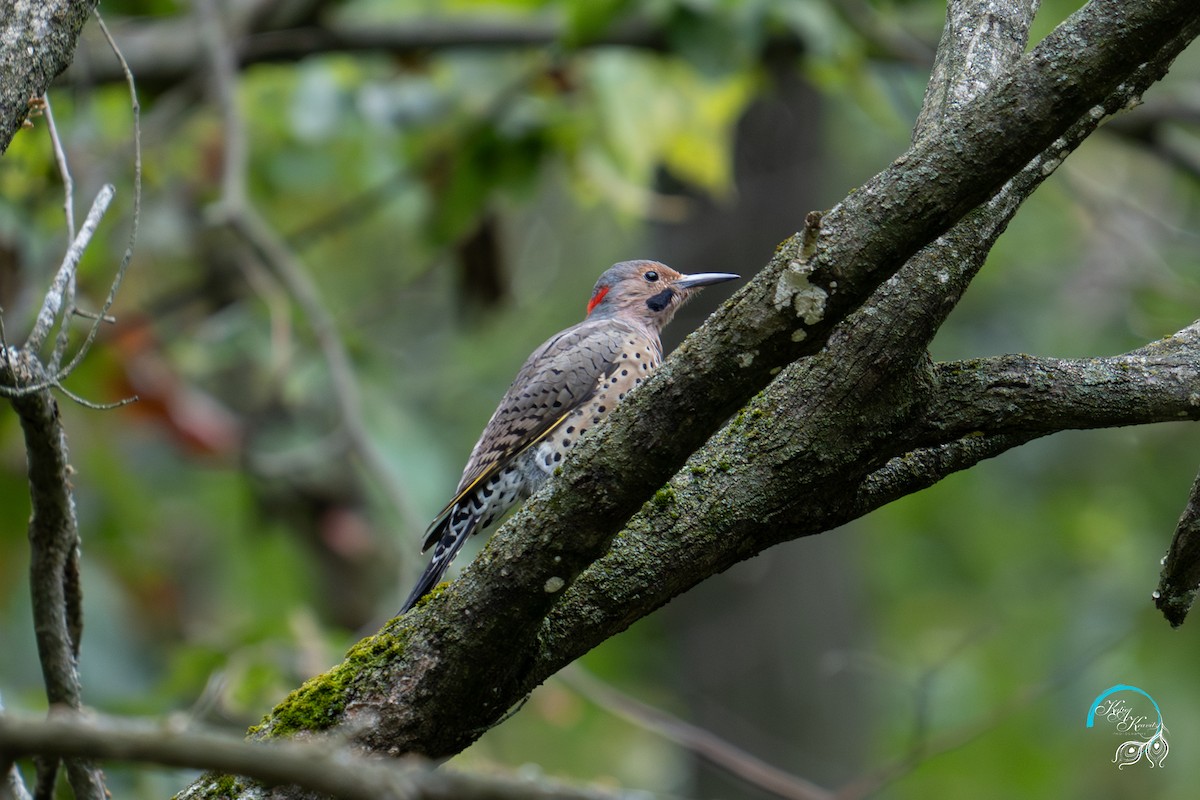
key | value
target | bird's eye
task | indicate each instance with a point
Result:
(651, 276)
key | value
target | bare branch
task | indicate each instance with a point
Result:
(283, 264)
(225, 71)
(237, 211)
(54, 553)
(64, 172)
(980, 40)
(1026, 394)
(94, 406)
(312, 765)
(115, 286)
(65, 276)
(922, 467)
(1180, 579)
(12, 786)
(703, 743)
(166, 52)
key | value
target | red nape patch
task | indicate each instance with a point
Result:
(596, 298)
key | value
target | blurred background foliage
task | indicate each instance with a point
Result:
(454, 203)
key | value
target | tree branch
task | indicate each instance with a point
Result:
(38, 43)
(12, 787)
(52, 304)
(1180, 579)
(737, 762)
(53, 528)
(1025, 394)
(167, 52)
(54, 551)
(311, 766)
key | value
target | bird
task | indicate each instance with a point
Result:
(567, 385)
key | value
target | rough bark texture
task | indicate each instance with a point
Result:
(37, 42)
(845, 412)
(54, 551)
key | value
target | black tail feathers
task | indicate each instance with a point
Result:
(452, 533)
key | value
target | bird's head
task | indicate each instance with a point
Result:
(646, 291)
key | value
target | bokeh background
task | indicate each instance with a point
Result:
(453, 205)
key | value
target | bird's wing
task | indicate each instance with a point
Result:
(557, 378)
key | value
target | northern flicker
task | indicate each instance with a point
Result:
(566, 386)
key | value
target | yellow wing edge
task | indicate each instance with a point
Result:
(487, 473)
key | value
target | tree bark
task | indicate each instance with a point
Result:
(38, 43)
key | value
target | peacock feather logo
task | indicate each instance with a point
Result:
(1116, 710)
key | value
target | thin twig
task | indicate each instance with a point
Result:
(92, 315)
(234, 168)
(872, 782)
(12, 392)
(237, 211)
(266, 242)
(225, 68)
(137, 207)
(94, 406)
(64, 172)
(5, 352)
(703, 743)
(53, 302)
(924, 686)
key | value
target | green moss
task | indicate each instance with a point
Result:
(319, 702)
(432, 593)
(664, 502)
(698, 470)
(315, 706)
(724, 466)
(222, 785)
(664, 497)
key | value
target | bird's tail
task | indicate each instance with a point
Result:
(450, 532)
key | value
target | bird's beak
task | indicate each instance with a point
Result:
(704, 279)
